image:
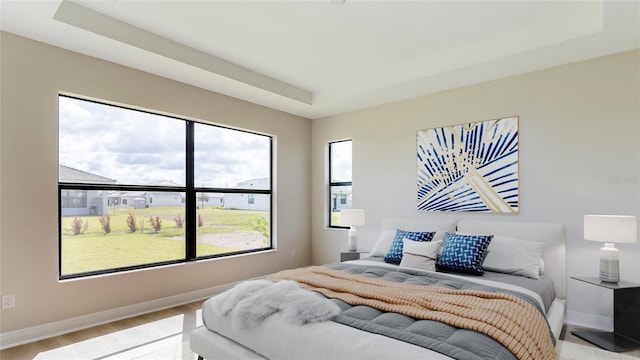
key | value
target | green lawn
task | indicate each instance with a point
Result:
(95, 250)
(335, 218)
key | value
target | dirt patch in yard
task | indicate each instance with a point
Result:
(240, 240)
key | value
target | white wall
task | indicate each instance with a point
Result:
(579, 154)
(32, 76)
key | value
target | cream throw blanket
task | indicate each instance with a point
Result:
(510, 320)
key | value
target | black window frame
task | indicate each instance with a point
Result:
(190, 201)
(333, 184)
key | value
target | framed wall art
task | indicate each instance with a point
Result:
(469, 167)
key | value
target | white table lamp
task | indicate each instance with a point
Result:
(352, 218)
(610, 229)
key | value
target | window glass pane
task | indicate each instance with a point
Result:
(117, 229)
(71, 199)
(340, 157)
(131, 219)
(340, 199)
(104, 144)
(228, 223)
(341, 161)
(227, 158)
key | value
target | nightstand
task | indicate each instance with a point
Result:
(351, 255)
(626, 317)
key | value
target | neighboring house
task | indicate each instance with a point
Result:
(140, 199)
(209, 199)
(97, 202)
(82, 202)
(340, 200)
(165, 198)
(249, 201)
(137, 199)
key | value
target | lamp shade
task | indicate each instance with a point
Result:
(352, 217)
(610, 228)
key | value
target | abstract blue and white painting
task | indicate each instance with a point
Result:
(469, 167)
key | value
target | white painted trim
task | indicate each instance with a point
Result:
(589, 321)
(45, 331)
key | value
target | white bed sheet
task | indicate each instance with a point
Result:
(212, 345)
(275, 338)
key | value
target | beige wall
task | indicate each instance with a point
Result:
(32, 75)
(579, 154)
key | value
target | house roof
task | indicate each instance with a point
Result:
(69, 174)
(260, 182)
(164, 183)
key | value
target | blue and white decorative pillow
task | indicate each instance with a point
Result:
(463, 253)
(394, 255)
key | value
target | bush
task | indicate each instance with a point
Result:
(131, 223)
(259, 224)
(106, 223)
(78, 226)
(156, 223)
(179, 221)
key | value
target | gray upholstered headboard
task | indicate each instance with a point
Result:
(418, 224)
(552, 234)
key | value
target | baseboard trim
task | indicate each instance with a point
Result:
(589, 321)
(45, 331)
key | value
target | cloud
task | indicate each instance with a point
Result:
(341, 161)
(138, 148)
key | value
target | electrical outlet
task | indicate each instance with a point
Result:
(293, 253)
(8, 301)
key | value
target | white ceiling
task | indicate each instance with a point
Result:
(319, 58)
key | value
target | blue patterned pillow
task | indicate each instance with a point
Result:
(394, 255)
(463, 253)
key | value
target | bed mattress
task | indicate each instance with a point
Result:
(275, 338)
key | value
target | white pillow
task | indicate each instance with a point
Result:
(383, 244)
(514, 256)
(420, 254)
(439, 235)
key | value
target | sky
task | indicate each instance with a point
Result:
(341, 161)
(139, 148)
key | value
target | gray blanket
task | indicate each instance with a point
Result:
(457, 343)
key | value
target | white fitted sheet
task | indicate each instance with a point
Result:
(275, 338)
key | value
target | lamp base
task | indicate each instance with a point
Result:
(609, 264)
(353, 240)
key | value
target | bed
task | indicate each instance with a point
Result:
(359, 331)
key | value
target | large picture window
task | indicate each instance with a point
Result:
(339, 180)
(138, 189)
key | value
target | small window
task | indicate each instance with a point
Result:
(340, 187)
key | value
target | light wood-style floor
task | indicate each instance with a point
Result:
(189, 318)
(189, 315)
